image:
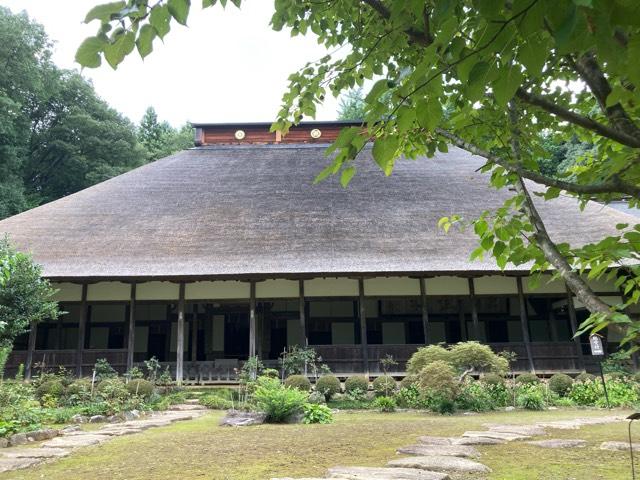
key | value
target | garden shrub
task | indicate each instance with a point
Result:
(299, 382)
(385, 404)
(114, 393)
(316, 398)
(530, 396)
(475, 396)
(53, 388)
(585, 377)
(140, 387)
(104, 369)
(328, 385)
(361, 384)
(560, 384)
(492, 379)
(438, 377)
(408, 381)
(384, 385)
(477, 357)
(409, 397)
(215, 402)
(278, 402)
(426, 355)
(636, 377)
(15, 393)
(591, 393)
(315, 413)
(585, 392)
(527, 379)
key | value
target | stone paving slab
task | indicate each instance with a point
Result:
(75, 441)
(530, 430)
(34, 452)
(619, 446)
(499, 435)
(477, 441)
(430, 440)
(119, 431)
(446, 450)
(559, 443)
(384, 473)
(8, 464)
(440, 464)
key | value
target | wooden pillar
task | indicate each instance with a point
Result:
(363, 327)
(31, 346)
(574, 327)
(524, 321)
(474, 310)
(194, 335)
(180, 336)
(301, 307)
(424, 310)
(252, 319)
(131, 340)
(82, 328)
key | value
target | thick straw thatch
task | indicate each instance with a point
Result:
(241, 211)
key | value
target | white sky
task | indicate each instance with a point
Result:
(228, 65)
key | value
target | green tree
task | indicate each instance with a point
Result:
(160, 139)
(500, 67)
(352, 106)
(25, 297)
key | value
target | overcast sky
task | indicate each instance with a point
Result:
(228, 65)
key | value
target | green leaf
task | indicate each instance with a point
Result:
(505, 87)
(160, 18)
(115, 52)
(104, 11)
(179, 10)
(145, 40)
(533, 55)
(88, 53)
(378, 89)
(384, 152)
(347, 175)
(621, 226)
(429, 114)
(208, 3)
(566, 27)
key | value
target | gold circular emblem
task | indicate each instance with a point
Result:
(239, 134)
(316, 133)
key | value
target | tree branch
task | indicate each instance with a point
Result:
(613, 185)
(422, 38)
(575, 282)
(577, 119)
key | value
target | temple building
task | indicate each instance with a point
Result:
(228, 249)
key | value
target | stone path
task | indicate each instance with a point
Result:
(435, 458)
(26, 456)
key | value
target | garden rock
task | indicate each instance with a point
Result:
(132, 415)
(384, 473)
(618, 446)
(75, 441)
(79, 419)
(18, 439)
(118, 430)
(499, 435)
(440, 464)
(477, 441)
(295, 418)
(509, 409)
(69, 429)
(4, 443)
(531, 430)
(40, 435)
(8, 464)
(186, 407)
(235, 418)
(429, 440)
(97, 419)
(444, 450)
(34, 453)
(559, 443)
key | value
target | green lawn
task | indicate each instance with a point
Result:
(200, 449)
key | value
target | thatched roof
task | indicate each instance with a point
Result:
(252, 211)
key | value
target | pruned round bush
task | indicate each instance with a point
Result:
(299, 382)
(328, 385)
(527, 379)
(585, 377)
(356, 383)
(215, 402)
(113, 389)
(140, 387)
(438, 379)
(384, 385)
(317, 398)
(492, 379)
(408, 381)
(476, 357)
(425, 356)
(53, 388)
(560, 384)
(79, 387)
